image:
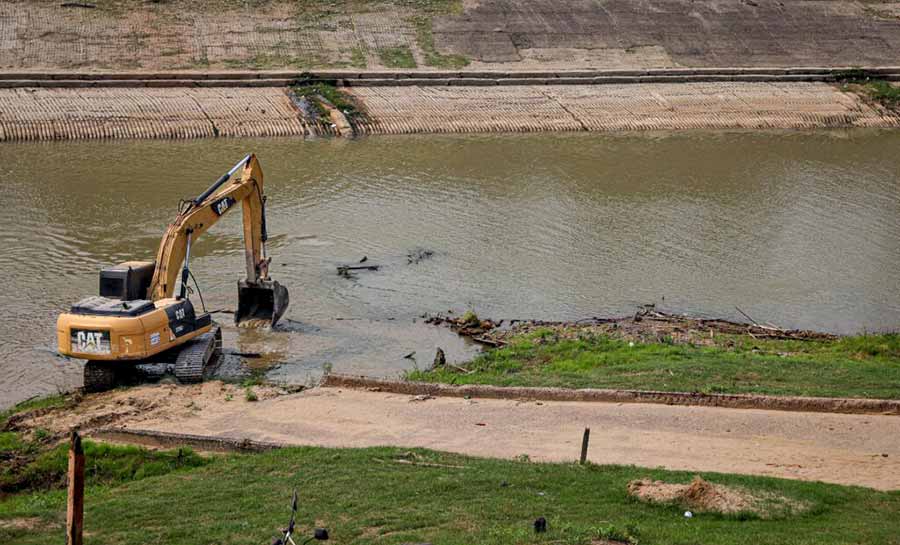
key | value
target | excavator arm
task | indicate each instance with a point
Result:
(258, 296)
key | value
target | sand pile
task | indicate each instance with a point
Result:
(702, 496)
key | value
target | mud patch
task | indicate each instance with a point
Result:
(125, 408)
(702, 496)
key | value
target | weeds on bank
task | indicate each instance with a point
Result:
(330, 93)
(860, 366)
(34, 404)
(876, 90)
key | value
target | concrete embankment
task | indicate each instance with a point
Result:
(463, 34)
(202, 106)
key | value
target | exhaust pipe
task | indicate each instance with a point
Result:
(263, 301)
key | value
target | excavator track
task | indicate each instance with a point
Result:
(197, 355)
(99, 376)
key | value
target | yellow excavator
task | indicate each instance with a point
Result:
(138, 319)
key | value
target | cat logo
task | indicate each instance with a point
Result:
(90, 342)
(222, 205)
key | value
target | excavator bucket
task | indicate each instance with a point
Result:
(263, 302)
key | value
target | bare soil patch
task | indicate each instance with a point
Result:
(703, 496)
(127, 407)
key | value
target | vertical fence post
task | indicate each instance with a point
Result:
(75, 509)
(584, 444)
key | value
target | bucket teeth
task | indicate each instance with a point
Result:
(264, 301)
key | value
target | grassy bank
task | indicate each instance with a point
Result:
(387, 495)
(861, 366)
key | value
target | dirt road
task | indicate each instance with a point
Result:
(845, 449)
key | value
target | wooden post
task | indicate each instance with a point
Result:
(584, 444)
(75, 510)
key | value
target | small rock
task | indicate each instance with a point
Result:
(440, 359)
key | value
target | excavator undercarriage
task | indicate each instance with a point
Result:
(137, 325)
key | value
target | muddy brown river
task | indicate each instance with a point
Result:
(797, 229)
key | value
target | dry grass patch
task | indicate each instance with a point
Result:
(702, 496)
(22, 523)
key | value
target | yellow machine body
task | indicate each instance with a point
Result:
(137, 314)
(110, 338)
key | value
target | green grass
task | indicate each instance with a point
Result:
(358, 58)
(876, 90)
(862, 366)
(106, 464)
(330, 93)
(884, 93)
(397, 57)
(364, 496)
(33, 404)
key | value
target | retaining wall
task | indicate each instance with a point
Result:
(53, 113)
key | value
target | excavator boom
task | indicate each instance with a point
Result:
(259, 298)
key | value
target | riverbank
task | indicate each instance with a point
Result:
(165, 111)
(659, 352)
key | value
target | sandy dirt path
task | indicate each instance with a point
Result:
(846, 449)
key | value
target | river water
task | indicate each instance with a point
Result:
(801, 229)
